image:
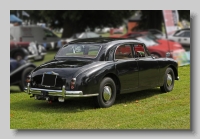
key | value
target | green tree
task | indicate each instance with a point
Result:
(74, 21)
(153, 19)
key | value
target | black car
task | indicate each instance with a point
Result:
(101, 68)
(19, 70)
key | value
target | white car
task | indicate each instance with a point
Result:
(83, 35)
(157, 33)
(182, 36)
(34, 33)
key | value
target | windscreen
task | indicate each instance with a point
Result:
(79, 50)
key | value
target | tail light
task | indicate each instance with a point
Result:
(72, 83)
(28, 79)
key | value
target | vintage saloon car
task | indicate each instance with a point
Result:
(101, 68)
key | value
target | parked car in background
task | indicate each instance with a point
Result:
(102, 30)
(116, 32)
(101, 68)
(157, 33)
(182, 36)
(83, 35)
(19, 70)
(29, 50)
(157, 47)
(34, 33)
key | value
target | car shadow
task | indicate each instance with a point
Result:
(15, 89)
(74, 105)
(71, 105)
(136, 96)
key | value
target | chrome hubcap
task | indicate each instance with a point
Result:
(107, 92)
(169, 79)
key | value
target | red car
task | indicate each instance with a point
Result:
(157, 47)
(29, 50)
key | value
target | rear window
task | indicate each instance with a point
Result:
(79, 50)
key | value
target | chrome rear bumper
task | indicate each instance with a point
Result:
(57, 93)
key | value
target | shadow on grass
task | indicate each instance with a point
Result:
(15, 89)
(139, 95)
(74, 105)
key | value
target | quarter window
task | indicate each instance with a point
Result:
(139, 51)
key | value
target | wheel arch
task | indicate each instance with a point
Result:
(175, 71)
(116, 80)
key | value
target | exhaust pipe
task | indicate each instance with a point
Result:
(61, 99)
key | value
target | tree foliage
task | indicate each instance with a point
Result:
(153, 19)
(78, 21)
(74, 21)
(150, 19)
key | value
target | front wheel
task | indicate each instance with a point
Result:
(168, 81)
(107, 93)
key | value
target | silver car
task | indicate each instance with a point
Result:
(182, 36)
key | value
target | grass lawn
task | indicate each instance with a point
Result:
(148, 109)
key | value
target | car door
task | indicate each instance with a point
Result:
(186, 38)
(147, 66)
(126, 68)
(179, 36)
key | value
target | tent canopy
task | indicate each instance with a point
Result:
(14, 19)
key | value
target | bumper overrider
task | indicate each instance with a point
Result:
(60, 94)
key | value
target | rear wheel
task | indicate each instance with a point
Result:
(107, 93)
(23, 82)
(168, 81)
(18, 55)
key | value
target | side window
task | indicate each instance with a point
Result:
(49, 33)
(179, 34)
(187, 34)
(123, 52)
(139, 50)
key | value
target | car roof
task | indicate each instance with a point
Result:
(104, 40)
(183, 29)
